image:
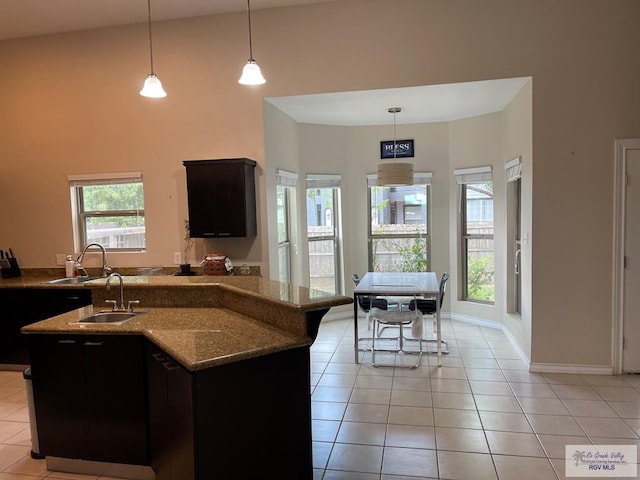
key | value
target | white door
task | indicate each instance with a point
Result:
(631, 303)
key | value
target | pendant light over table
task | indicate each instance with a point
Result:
(152, 87)
(395, 173)
(251, 74)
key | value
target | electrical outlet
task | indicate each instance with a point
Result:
(177, 258)
(60, 258)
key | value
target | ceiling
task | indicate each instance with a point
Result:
(29, 18)
(433, 103)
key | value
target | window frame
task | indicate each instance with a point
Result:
(464, 178)
(324, 182)
(80, 215)
(419, 179)
(287, 183)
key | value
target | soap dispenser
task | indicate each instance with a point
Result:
(70, 267)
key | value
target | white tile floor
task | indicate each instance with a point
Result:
(480, 416)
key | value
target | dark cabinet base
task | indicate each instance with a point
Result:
(245, 420)
(90, 397)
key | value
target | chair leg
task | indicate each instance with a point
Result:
(444, 344)
(400, 339)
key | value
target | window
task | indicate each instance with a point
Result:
(399, 234)
(514, 245)
(476, 227)
(285, 193)
(323, 207)
(108, 209)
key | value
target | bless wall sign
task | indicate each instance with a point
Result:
(404, 148)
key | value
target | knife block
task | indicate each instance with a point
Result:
(10, 268)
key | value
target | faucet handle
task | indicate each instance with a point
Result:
(114, 303)
(130, 304)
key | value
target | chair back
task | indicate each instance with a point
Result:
(428, 306)
(443, 287)
(367, 302)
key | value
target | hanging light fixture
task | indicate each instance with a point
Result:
(152, 87)
(251, 74)
(395, 173)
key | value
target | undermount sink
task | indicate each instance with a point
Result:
(71, 280)
(109, 317)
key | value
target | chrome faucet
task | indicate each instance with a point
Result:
(106, 269)
(121, 308)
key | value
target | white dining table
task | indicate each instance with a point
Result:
(397, 284)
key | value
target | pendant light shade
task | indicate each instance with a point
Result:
(251, 73)
(395, 173)
(152, 87)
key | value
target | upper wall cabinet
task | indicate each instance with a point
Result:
(222, 197)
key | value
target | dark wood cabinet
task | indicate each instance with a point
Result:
(222, 198)
(90, 397)
(23, 306)
(171, 425)
(243, 420)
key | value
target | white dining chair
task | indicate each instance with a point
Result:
(402, 320)
(428, 307)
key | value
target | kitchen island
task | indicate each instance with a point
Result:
(212, 381)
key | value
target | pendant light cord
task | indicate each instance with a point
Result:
(394, 135)
(250, 43)
(394, 110)
(150, 42)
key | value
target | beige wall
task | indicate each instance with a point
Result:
(69, 104)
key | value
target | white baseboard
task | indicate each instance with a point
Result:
(571, 368)
(533, 367)
(473, 320)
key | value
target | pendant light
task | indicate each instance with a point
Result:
(251, 74)
(152, 87)
(395, 173)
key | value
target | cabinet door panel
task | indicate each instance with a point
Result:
(116, 387)
(171, 428)
(59, 390)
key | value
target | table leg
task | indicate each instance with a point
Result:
(355, 328)
(439, 332)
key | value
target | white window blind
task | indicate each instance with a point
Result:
(419, 178)
(513, 169)
(323, 181)
(472, 175)
(85, 180)
(286, 179)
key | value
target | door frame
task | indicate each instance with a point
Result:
(619, 200)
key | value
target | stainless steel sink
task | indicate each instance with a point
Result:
(109, 317)
(72, 280)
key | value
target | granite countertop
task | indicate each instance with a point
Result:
(285, 294)
(202, 321)
(197, 338)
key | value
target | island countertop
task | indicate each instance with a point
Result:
(197, 338)
(202, 321)
(285, 294)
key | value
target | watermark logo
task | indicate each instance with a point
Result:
(616, 461)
